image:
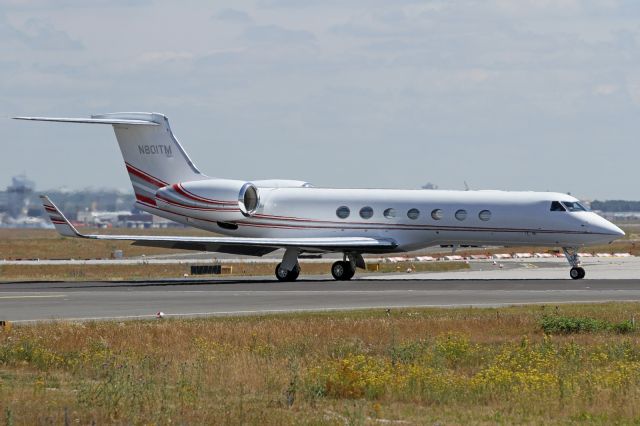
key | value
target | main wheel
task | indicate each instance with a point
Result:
(284, 275)
(577, 273)
(342, 270)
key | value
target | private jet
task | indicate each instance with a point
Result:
(260, 216)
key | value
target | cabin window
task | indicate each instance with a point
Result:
(390, 213)
(413, 214)
(461, 214)
(437, 214)
(366, 212)
(573, 206)
(557, 207)
(484, 215)
(343, 212)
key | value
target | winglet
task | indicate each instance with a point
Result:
(62, 224)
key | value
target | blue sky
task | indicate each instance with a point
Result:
(503, 94)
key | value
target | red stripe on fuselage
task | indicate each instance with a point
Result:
(186, 193)
(185, 206)
(145, 176)
(146, 200)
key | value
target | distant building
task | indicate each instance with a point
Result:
(18, 195)
(4, 201)
(99, 219)
(429, 185)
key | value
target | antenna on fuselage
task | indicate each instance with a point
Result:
(466, 187)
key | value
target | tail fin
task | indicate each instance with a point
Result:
(153, 156)
(63, 226)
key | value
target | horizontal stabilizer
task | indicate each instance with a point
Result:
(233, 245)
(91, 120)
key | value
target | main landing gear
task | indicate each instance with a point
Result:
(577, 272)
(345, 269)
(289, 268)
(342, 270)
(284, 275)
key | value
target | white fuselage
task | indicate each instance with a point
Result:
(510, 218)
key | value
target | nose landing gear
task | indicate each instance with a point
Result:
(577, 272)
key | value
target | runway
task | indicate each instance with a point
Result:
(40, 301)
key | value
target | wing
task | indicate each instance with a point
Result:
(232, 245)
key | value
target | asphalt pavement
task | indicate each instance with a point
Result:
(42, 301)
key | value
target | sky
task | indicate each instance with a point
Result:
(501, 94)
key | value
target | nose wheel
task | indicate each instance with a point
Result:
(577, 272)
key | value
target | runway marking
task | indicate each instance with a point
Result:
(35, 296)
(350, 308)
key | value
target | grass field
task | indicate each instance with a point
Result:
(410, 366)
(48, 244)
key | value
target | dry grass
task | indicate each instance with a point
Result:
(159, 271)
(48, 244)
(423, 366)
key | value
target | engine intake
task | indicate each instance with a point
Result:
(248, 199)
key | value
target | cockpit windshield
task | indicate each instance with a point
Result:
(574, 206)
(567, 206)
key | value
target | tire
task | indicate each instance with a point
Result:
(350, 272)
(577, 273)
(287, 276)
(293, 275)
(342, 271)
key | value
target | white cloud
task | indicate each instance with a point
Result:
(276, 34)
(605, 89)
(165, 56)
(233, 15)
(38, 33)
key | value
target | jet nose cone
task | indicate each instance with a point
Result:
(603, 226)
(617, 231)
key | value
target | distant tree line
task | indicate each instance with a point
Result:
(616, 206)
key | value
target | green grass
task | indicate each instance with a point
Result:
(554, 324)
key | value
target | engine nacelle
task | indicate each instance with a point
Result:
(223, 199)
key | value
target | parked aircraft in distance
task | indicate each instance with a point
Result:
(261, 216)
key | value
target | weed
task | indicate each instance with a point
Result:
(556, 324)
